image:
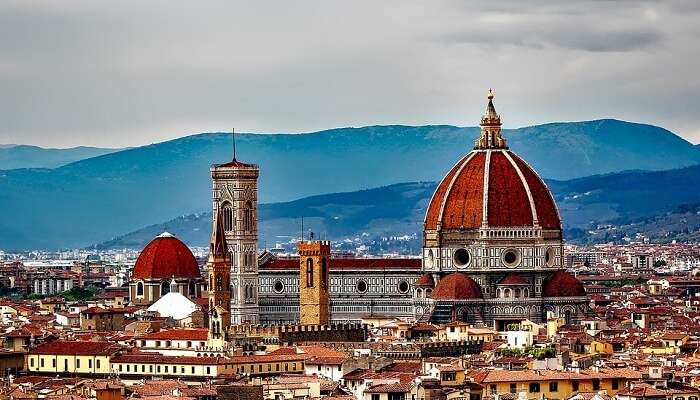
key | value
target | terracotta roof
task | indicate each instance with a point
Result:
(562, 284)
(158, 387)
(643, 390)
(76, 348)
(458, 202)
(154, 358)
(161, 359)
(177, 334)
(494, 376)
(100, 310)
(457, 286)
(323, 355)
(165, 257)
(236, 164)
(413, 367)
(401, 387)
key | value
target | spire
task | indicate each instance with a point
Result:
(218, 246)
(490, 128)
(233, 139)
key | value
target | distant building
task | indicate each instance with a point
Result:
(165, 265)
(314, 257)
(642, 261)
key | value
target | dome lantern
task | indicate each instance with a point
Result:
(490, 128)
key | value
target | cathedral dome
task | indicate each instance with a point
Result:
(457, 286)
(562, 284)
(491, 187)
(165, 257)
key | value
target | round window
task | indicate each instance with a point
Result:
(462, 257)
(549, 257)
(403, 286)
(361, 286)
(279, 287)
(511, 258)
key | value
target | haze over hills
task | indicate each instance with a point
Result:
(14, 156)
(627, 199)
(95, 199)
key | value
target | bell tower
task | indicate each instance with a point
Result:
(314, 302)
(218, 280)
(235, 195)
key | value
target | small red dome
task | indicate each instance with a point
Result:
(515, 195)
(166, 257)
(562, 284)
(457, 286)
(425, 280)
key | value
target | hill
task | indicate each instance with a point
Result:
(95, 199)
(594, 209)
(24, 156)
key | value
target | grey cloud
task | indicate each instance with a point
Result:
(126, 73)
(579, 40)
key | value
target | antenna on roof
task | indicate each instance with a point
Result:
(233, 136)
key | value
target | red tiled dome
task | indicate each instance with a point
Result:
(425, 280)
(562, 284)
(457, 286)
(165, 257)
(516, 195)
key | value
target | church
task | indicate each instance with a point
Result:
(492, 255)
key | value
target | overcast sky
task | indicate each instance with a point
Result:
(124, 73)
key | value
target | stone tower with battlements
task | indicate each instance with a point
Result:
(314, 302)
(235, 198)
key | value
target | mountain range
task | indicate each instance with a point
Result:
(14, 156)
(95, 199)
(639, 201)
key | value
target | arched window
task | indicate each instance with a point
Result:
(219, 284)
(164, 288)
(139, 289)
(248, 217)
(324, 273)
(227, 212)
(249, 259)
(567, 316)
(517, 293)
(309, 272)
(506, 293)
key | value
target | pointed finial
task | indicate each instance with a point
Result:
(490, 128)
(233, 136)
